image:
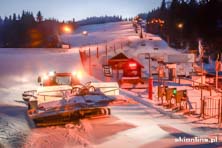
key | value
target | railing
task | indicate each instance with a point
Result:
(211, 106)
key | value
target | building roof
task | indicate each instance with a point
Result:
(119, 56)
(119, 60)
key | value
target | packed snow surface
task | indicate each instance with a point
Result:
(129, 126)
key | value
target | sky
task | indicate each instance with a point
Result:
(78, 9)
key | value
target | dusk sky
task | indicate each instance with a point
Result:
(78, 9)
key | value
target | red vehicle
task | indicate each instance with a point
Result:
(53, 79)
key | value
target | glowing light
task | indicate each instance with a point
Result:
(74, 73)
(67, 29)
(45, 77)
(180, 25)
(85, 33)
(51, 73)
(132, 65)
(79, 75)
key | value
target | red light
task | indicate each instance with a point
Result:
(132, 65)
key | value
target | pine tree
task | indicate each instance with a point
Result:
(1, 20)
(163, 5)
(39, 16)
(14, 17)
(19, 17)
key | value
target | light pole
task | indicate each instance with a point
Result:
(141, 28)
(141, 31)
(85, 33)
(67, 29)
(150, 79)
(180, 27)
(106, 48)
(201, 52)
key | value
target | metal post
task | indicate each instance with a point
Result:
(141, 32)
(150, 88)
(150, 75)
(150, 80)
(97, 51)
(219, 112)
(201, 92)
(90, 72)
(220, 109)
(216, 79)
(210, 91)
(106, 54)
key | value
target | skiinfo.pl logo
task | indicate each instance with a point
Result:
(197, 140)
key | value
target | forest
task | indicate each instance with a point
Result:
(29, 31)
(183, 22)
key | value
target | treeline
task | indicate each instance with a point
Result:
(100, 20)
(184, 22)
(29, 31)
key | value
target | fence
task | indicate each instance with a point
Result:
(101, 49)
(211, 106)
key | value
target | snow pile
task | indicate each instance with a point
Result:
(72, 135)
(13, 126)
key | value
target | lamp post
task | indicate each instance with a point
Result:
(85, 33)
(67, 29)
(180, 27)
(201, 89)
(141, 31)
(201, 52)
(150, 79)
(141, 28)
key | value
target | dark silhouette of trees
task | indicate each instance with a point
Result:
(39, 16)
(100, 20)
(187, 21)
(27, 32)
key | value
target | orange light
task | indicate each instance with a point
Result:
(77, 74)
(180, 25)
(67, 29)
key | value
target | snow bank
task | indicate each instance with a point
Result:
(72, 135)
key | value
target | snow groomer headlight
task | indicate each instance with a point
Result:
(45, 77)
(51, 73)
(77, 74)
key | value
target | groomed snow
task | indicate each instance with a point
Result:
(131, 126)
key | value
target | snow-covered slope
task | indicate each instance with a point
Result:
(99, 33)
(19, 69)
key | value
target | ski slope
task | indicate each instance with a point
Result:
(19, 69)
